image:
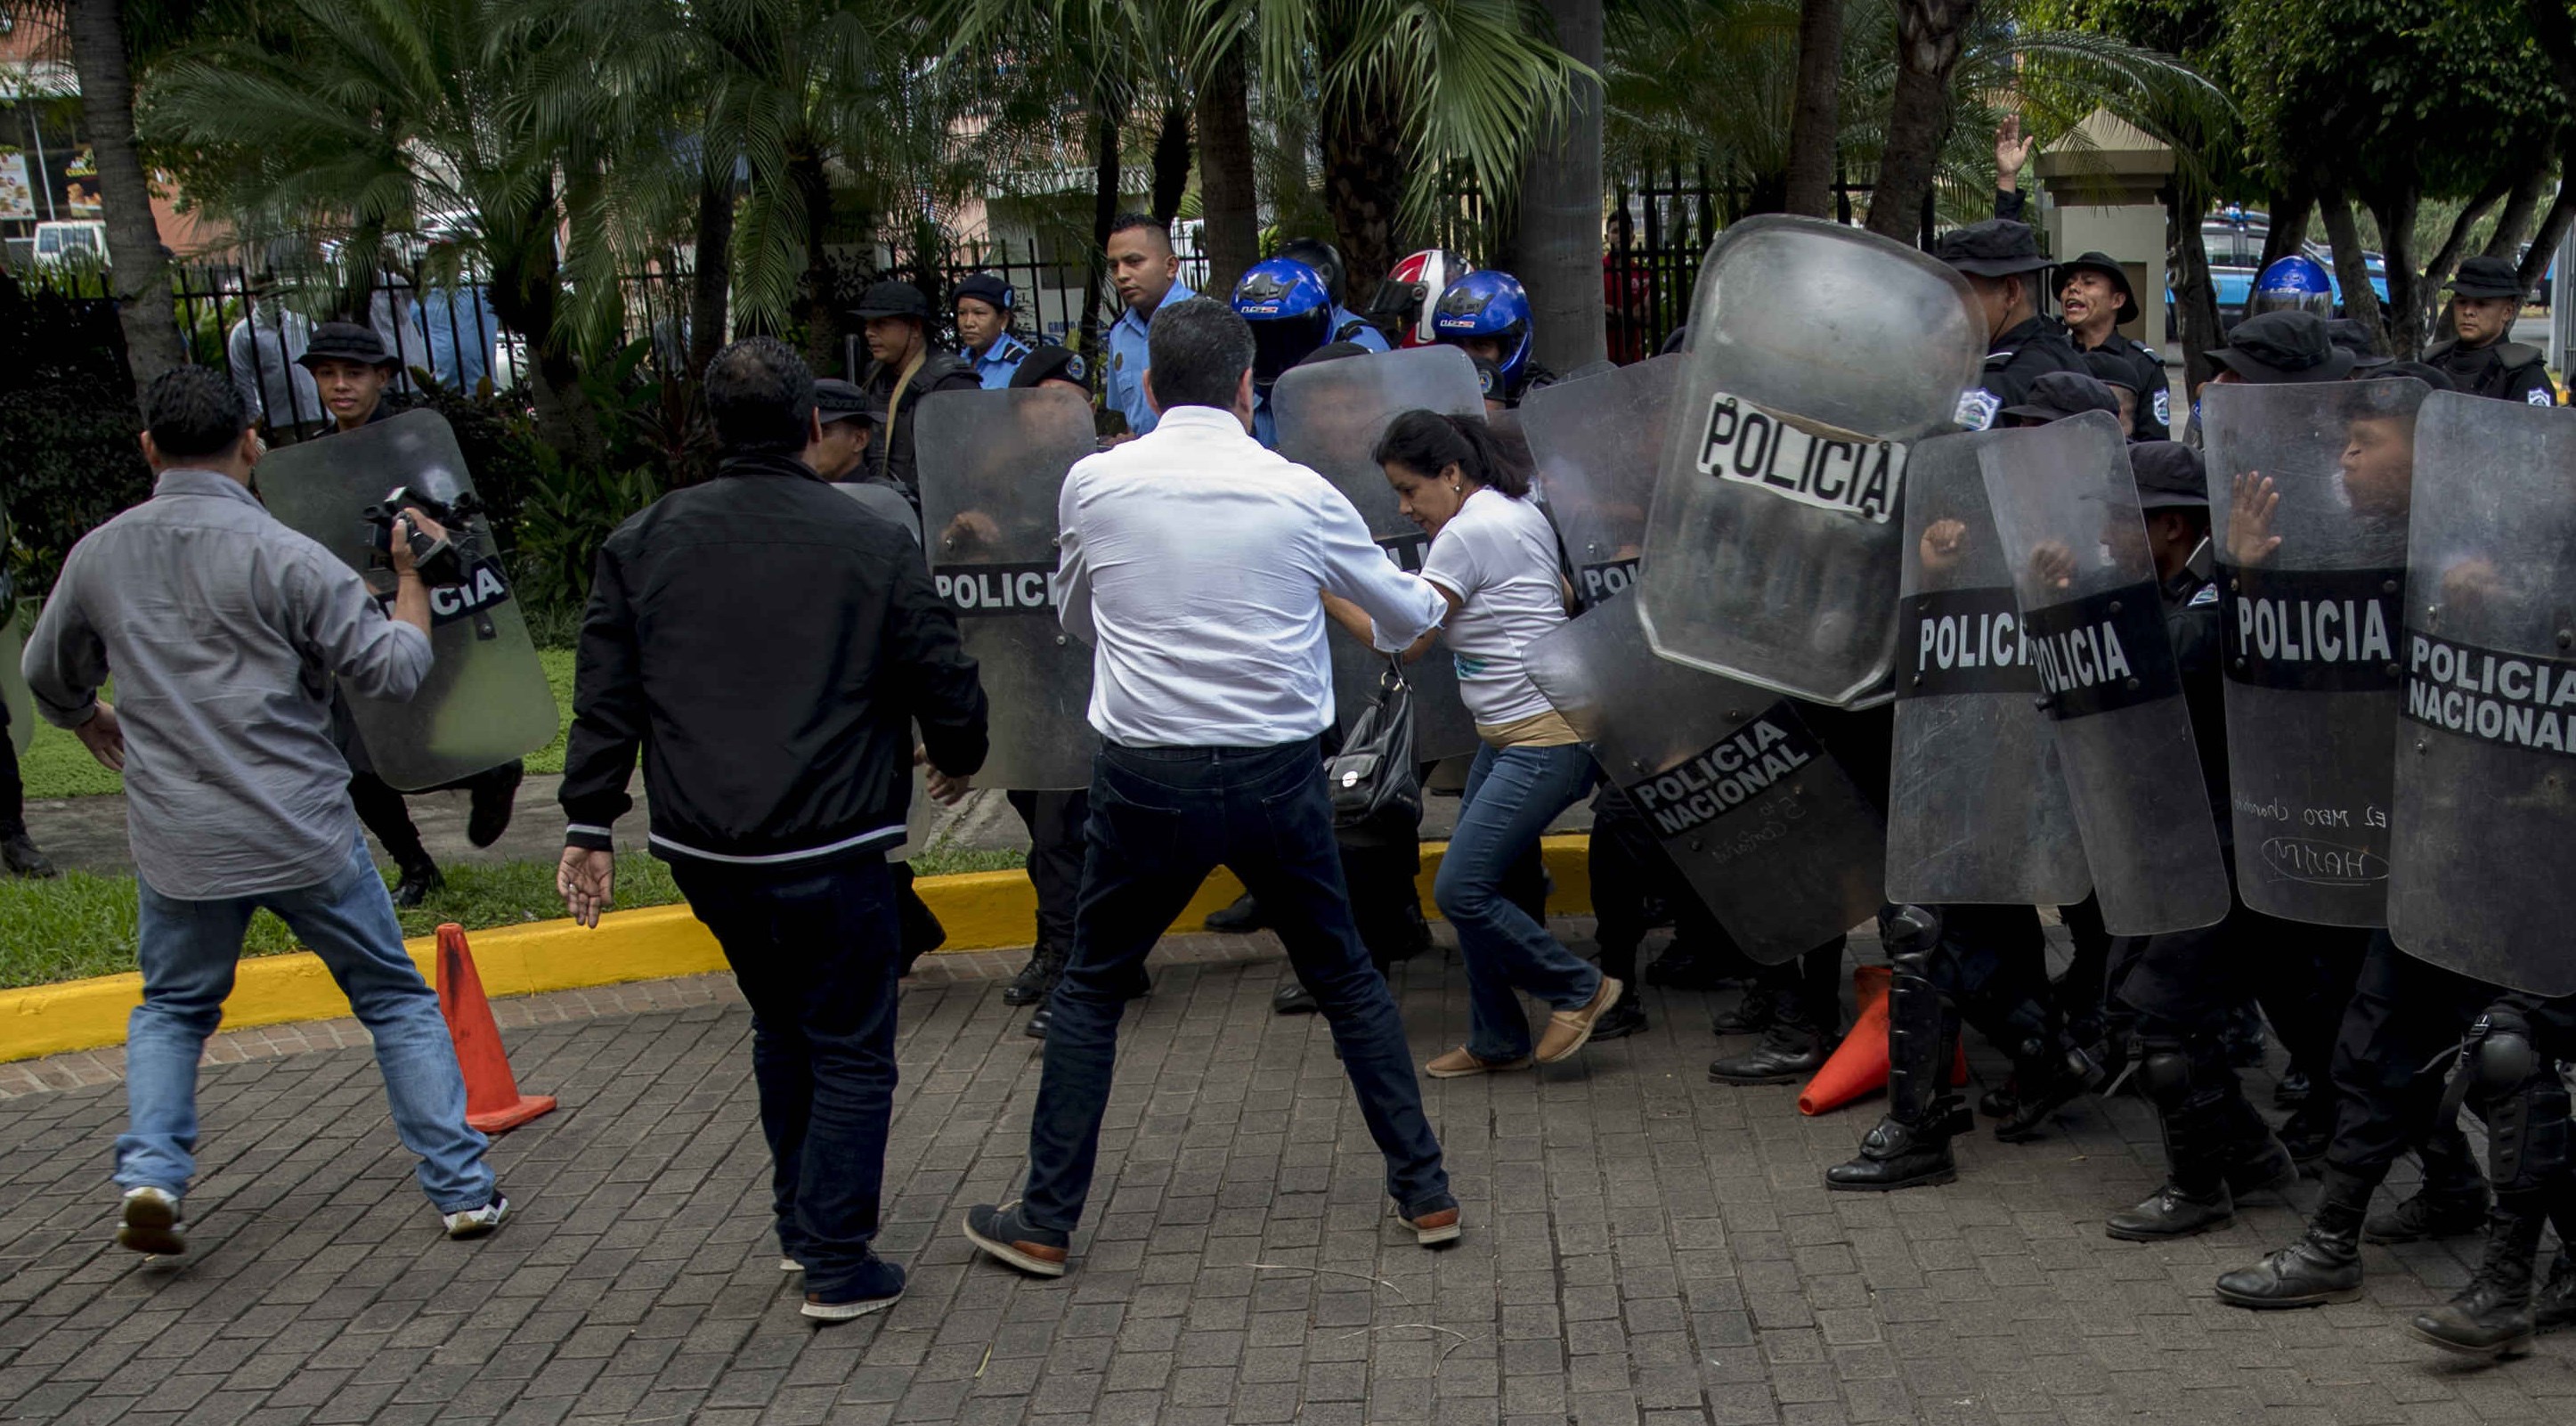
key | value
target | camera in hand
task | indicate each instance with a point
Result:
(436, 557)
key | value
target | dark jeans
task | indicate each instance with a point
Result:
(1055, 821)
(814, 949)
(1161, 820)
(1628, 866)
(382, 810)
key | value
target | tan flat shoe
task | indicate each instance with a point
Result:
(1567, 1030)
(1458, 1064)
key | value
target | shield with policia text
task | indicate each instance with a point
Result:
(1594, 444)
(2092, 610)
(2485, 806)
(1741, 792)
(2312, 578)
(1976, 810)
(1818, 355)
(992, 464)
(1330, 416)
(486, 700)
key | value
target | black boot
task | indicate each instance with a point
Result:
(1241, 918)
(1910, 1148)
(2192, 1109)
(2293, 1090)
(2493, 1317)
(2453, 1201)
(2554, 1306)
(1035, 979)
(419, 879)
(1751, 1015)
(2049, 1069)
(20, 853)
(2323, 1266)
(490, 800)
(1622, 1019)
(1683, 966)
(1791, 1049)
(2309, 1131)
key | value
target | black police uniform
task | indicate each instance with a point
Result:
(2508, 371)
(2024, 352)
(2145, 362)
(892, 458)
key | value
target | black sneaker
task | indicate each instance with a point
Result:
(1036, 979)
(20, 853)
(1002, 1233)
(1241, 918)
(492, 798)
(419, 880)
(879, 1286)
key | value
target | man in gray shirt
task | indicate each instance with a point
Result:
(223, 630)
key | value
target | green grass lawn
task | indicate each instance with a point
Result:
(81, 925)
(56, 765)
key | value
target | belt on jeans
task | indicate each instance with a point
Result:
(1209, 752)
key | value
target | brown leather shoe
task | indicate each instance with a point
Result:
(1568, 1030)
(1440, 1225)
(1458, 1064)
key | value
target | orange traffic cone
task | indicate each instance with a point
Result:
(492, 1099)
(1859, 1066)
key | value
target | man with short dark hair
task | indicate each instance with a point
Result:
(1191, 562)
(222, 628)
(903, 367)
(769, 646)
(1147, 275)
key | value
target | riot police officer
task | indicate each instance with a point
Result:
(2001, 260)
(2095, 298)
(983, 305)
(1487, 315)
(1290, 311)
(2485, 298)
(903, 367)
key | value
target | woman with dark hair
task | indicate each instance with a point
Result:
(1494, 558)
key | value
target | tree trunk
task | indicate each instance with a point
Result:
(1559, 232)
(2194, 293)
(2352, 273)
(1929, 37)
(2447, 257)
(711, 281)
(1815, 117)
(138, 264)
(2546, 238)
(1105, 179)
(2291, 209)
(2522, 208)
(526, 287)
(1229, 201)
(825, 350)
(1363, 184)
(1171, 162)
(2407, 310)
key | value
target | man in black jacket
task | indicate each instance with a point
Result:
(769, 645)
(903, 367)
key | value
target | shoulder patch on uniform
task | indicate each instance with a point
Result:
(1977, 408)
(1117, 361)
(2538, 396)
(2208, 595)
(2163, 403)
(1073, 366)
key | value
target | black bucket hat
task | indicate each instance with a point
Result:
(2109, 267)
(346, 341)
(2056, 395)
(893, 299)
(2487, 277)
(2169, 476)
(1997, 247)
(2277, 347)
(2352, 336)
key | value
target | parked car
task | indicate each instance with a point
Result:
(61, 244)
(2234, 237)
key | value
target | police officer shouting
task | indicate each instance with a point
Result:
(2094, 296)
(983, 304)
(2485, 298)
(2001, 260)
(903, 368)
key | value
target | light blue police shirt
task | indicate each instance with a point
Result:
(1123, 384)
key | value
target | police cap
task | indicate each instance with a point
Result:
(2110, 268)
(2169, 476)
(838, 400)
(2057, 395)
(2112, 370)
(2487, 277)
(987, 288)
(1049, 363)
(2350, 335)
(1997, 247)
(2283, 346)
(893, 299)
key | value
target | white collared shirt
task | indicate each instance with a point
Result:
(1192, 558)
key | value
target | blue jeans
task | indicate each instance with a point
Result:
(188, 951)
(1512, 794)
(816, 951)
(1161, 820)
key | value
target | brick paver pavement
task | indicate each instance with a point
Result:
(1642, 1246)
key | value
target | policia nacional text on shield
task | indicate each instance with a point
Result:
(2085, 586)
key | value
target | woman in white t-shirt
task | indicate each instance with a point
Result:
(1494, 555)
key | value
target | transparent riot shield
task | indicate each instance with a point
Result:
(879, 497)
(2311, 579)
(1976, 810)
(2485, 803)
(486, 700)
(992, 464)
(1753, 809)
(1819, 354)
(2092, 610)
(1594, 444)
(1330, 416)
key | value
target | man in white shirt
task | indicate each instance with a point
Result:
(1191, 560)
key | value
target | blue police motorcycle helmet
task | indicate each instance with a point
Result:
(2296, 283)
(1290, 311)
(1491, 304)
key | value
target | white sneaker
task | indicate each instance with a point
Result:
(476, 1222)
(150, 1222)
(790, 1265)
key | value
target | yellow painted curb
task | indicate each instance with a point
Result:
(982, 911)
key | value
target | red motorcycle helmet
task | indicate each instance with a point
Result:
(1410, 293)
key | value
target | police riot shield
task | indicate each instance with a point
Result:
(882, 497)
(486, 700)
(1819, 354)
(2093, 613)
(1757, 814)
(1976, 810)
(1330, 416)
(2485, 802)
(2311, 578)
(1594, 444)
(992, 464)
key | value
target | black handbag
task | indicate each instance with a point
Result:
(1374, 785)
